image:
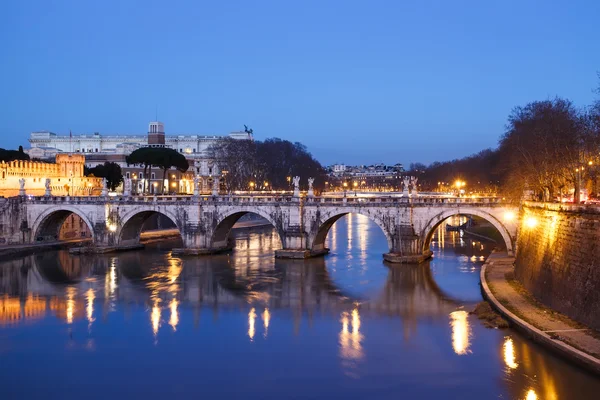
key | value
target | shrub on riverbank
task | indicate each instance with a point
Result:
(490, 318)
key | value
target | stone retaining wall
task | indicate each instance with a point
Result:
(558, 258)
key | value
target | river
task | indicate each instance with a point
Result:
(143, 324)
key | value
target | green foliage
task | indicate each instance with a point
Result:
(160, 157)
(109, 170)
(11, 155)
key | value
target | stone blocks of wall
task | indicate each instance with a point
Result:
(558, 258)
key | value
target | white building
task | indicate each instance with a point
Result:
(99, 149)
(339, 168)
(45, 144)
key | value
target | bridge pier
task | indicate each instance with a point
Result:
(407, 247)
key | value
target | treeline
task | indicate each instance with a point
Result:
(479, 170)
(549, 148)
(265, 165)
(12, 155)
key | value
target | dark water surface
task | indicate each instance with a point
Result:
(244, 325)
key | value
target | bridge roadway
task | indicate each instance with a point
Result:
(205, 222)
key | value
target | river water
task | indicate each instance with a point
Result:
(244, 325)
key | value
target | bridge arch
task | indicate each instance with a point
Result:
(429, 230)
(132, 224)
(220, 235)
(48, 224)
(319, 235)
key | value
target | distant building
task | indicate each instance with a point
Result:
(193, 146)
(363, 171)
(99, 149)
(66, 176)
(338, 168)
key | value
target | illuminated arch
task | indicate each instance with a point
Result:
(132, 223)
(49, 222)
(220, 236)
(430, 228)
(318, 237)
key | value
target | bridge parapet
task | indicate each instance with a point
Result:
(274, 198)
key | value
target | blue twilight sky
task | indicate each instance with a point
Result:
(355, 81)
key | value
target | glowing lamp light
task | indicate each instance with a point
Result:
(531, 395)
(509, 216)
(531, 222)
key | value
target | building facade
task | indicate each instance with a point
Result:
(66, 177)
(99, 149)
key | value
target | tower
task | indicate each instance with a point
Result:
(156, 133)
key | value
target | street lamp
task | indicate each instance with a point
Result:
(251, 186)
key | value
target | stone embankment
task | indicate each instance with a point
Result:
(574, 341)
(558, 258)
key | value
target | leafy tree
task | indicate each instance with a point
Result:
(160, 157)
(143, 157)
(109, 170)
(166, 158)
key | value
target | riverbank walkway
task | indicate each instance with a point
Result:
(565, 336)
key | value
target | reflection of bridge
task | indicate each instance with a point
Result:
(219, 281)
(206, 222)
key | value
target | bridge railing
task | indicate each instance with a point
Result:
(267, 199)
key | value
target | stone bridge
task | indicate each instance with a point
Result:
(205, 222)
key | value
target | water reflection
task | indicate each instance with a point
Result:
(90, 296)
(461, 332)
(251, 323)
(531, 395)
(351, 349)
(174, 320)
(266, 317)
(347, 313)
(509, 353)
(155, 316)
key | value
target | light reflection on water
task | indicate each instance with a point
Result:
(345, 322)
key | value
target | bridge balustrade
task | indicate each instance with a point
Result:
(233, 199)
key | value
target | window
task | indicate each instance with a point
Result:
(193, 150)
(96, 149)
(181, 150)
(141, 175)
(152, 176)
(127, 175)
